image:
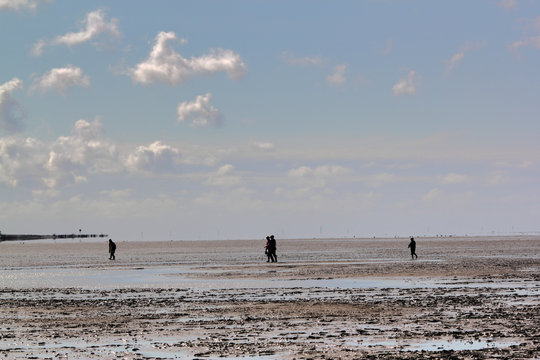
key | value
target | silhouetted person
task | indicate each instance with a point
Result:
(112, 249)
(412, 246)
(272, 249)
(267, 249)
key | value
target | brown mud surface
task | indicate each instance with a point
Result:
(469, 298)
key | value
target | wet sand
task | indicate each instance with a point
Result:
(464, 298)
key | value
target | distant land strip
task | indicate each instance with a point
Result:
(20, 237)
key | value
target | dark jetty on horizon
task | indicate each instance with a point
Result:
(21, 237)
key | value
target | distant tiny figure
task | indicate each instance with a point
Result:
(412, 246)
(272, 249)
(112, 249)
(267, 249)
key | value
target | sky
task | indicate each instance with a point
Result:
(187, 120)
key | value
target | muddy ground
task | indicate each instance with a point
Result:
(478, 303)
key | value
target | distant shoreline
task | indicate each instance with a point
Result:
(100, 238)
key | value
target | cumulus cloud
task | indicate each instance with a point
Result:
(67, 160)
(224, 177)
(164, 64)
(94, 24)
(21, 160)
(319, 171)
(200, 112)
(406, 86)
(61, 79)
(85, 151)
(12, 114)
(291, 59)
(155, 157)
(337, 78)
(20, 4)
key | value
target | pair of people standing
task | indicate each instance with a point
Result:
(270, 249)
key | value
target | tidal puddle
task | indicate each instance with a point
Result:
(185, 277)
(440, 345)
(140, 349)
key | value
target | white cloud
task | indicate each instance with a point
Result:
(311, 180)
(457, 57)
(263, 146)
(406, 86)
(86, 151)
(200, 112)
(508, 4)
(337, 78)
(117, 194)
(319, 171)
(224, 177)
(451, 63)
(11, 85)
(39, 46)
(301, 171)
(498, 178)
(532, 41)
(454, 178)
(433, 195)
(447, 200)
(61, 79)
(164, 64)
(291, 59)
(21, 160)
(154, 158)
(65, 161)
(88, 130)
(20, 4)
(12, 113)
(225, 170)
(94, 24)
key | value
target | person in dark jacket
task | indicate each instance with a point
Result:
(267, 248)
(412, 246)
(272, 249)
(112, 249)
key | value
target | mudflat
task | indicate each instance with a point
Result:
(463, 298)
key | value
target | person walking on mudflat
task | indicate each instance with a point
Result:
(112, 249)
(267, 249)
(412, 246)
(272, 249)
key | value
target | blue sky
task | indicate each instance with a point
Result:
(218, 119)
